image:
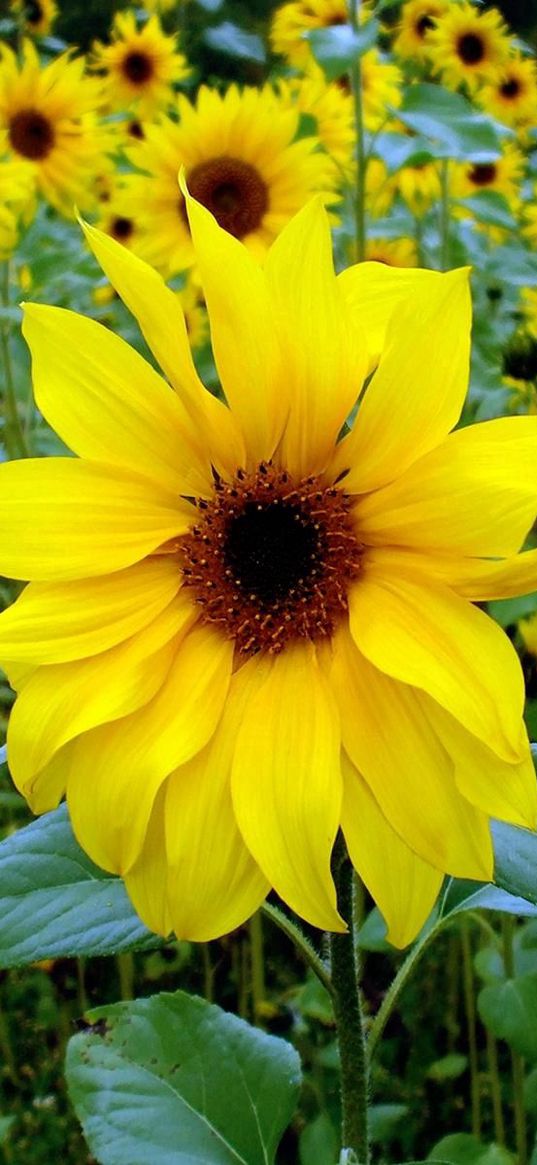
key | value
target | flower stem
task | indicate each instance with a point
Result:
(255, 927)
(348, 1013)
(469, 1002)
(300, 941)
(361, 158)
(14, 439)
(444, 215)
(517, 1063)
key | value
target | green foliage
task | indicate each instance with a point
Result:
(336, 48)
(463, 1149)
(450, 123)
(175, 1079)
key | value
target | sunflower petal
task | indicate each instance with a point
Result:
(404, 886)
(386, 735)
(67, 519)
(108, 404)
(417, 393)
(286, 783)
(147, 882)
(416, 630)
(373, 291)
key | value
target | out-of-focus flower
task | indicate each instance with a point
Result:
(38, 16)
(331, 107)
(293, 20)
(512, 95)
(468, 46)
(392, 252)
(504, 175)
(415, 23)
(140, 65)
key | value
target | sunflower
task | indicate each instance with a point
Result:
(241, 162)
(38, 15)
(504, 176)
(331, 107)
(293, 20)
(16, 191)
(467, 46)
(381, 88)
(51, 124)
(392, 252)
(511, 96)
(417, 19)
(140, 65)
(242, 633)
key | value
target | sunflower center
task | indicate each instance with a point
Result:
(423, 25)
(138, 67)
(483, 175)
(510, 88)
(470, 48)
(34, 12)
(121, 228)
(270, 559)
(31, 134)
(233, 191)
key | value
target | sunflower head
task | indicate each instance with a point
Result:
(291, 21)
(38, 15)
(417, 19)
(467, 46)
(139, 65)
(511, 96)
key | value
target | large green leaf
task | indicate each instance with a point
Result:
(54, 902)
(336, 47)
(515, 860)
(173, 1080)
(509, 1010)
(464, 1149)
(449, 121)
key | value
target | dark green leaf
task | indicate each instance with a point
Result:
(515, 860)
(318, 1142)
(465, 895)
(508, 1010)
(464, 1149)
(173, 1079)
(335, 48)
(448, 1067)
(54, 902)
(449, 121)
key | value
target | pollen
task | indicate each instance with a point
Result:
(270, 559)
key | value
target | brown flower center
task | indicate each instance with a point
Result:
(33, 12)
(135, 130)
(31, 134)
(233, 191)
(121, 228)
(137, 67)
(483, 175)
(270, 559)
(470, 48)
(510, 88)
(423, 25)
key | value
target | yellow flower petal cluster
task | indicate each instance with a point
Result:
(38, 15)
(416, 20)
(381, 88)
(504, 175)
(242, 633)
(242, 162)
(392, 252)
(467, 45)
(511, 96)
(293, 20)
(16, 195)
(140, 65)
(48, 114)
(330, 105)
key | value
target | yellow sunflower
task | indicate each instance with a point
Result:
(293, 20)
(392, 252)
(331, 106)
(503, 175)
(242, 633)
(512, 95)
(140, 65)
(38, 16)
(241, 162)
(417, 19)
(16, 193)
(468, 46)
(51, 124)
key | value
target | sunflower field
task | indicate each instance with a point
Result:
(268, 576)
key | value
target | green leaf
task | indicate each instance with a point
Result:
(337, 47)
(449, 121)
(515, 860)
(462, 895)
(398, 150)
(318, 1142)
(508, 1010)
(54, 902)
(383, 1121)
(235, 42)
(448, 1067)
(173, 1079)
(509, 611)
(464, 1149)
(490, 208)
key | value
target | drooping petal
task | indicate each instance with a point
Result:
(387, 737)
(401, 883)
(373, 291)
(418, 631)
(325, 360)
(482, 580)
(417, 393)
(117, 769)
(162, 322)
(63, 700)
(147, 882)
(286, 783)
(243, 336)
(108, 404)
(67, 519)
(213, 884)
(48, 786)
(475, 494)
(506, 791)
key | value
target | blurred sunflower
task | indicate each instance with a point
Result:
(38, 15)
(331, 107)
(392, 252)
(381, 88)
(417, 18)
(293, 20)
(468, 46)
(51, 124)
(243, 633)
(16, 191)
(511, 96)
(140, 65)
(241, 162)
(504, 175)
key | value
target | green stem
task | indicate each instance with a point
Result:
(495, 1089)
(471, 1027)
(208, 973)
(14, 439)
(517, 1063)
(125, 969)
(396, 986)
(303, 945)
(348, 1013)
(258, 964)
(82, 998)
(444, 215)
(361, 158)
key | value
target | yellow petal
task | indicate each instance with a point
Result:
(416, 630)
(286, 783)
(147, 882)
(388, 739)
(65, 519)
(214, 884)
(108, 404)
(162, 322)
(402, 884)
(117, 769)
(325, 363)
(48, 787)
(372, 292)
(63, 700)
(243, 336)
(506, 791)
(417, 393)
(505, 579)
(475, 494)
(58, 622)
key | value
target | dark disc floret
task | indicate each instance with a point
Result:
(138, 67)
(31, 134)
(471, 48)
(270, 559)
(233, 191)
